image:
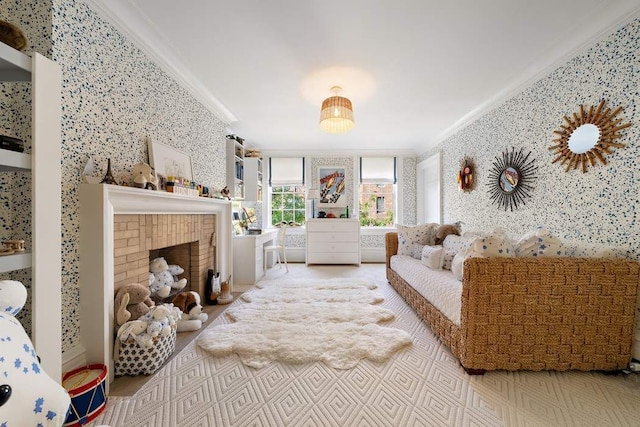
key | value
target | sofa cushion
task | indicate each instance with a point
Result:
(539, 242)
(410, 237)
(492, 244)
(432, 257)
(452, 245)
(439, 287)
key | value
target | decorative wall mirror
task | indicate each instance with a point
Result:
(465, 179)
(510, 178)
(587, 136)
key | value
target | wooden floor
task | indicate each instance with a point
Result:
(128, 385)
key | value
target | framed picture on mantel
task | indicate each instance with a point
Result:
(168, 161)
(332, 184)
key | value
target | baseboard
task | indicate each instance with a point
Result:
(74, 358)
(373, 255)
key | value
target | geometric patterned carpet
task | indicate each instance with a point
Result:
(421, 385)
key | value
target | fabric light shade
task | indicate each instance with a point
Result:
(286, 171)
(336, 115)
(378, 170)
(313, 194)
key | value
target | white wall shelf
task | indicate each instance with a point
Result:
(46, 206)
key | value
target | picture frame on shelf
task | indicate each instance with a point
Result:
(169, 161)
(332, 184)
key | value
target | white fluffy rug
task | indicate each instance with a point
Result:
(331, 321)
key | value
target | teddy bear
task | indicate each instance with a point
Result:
(165, 277)
(193, 317)
(132, 301)
(444, 230)
(24, 385)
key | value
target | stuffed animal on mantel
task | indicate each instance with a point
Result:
(165, 277)
(192, 317)
(132, 302)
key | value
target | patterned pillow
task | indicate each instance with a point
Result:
(417, 251)
(452, 245)
(432, 257)
(492, 244)
(409, 237)
(539, 242)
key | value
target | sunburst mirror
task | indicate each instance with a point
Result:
(588, 136)
(511, 177)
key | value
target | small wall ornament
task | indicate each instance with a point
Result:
(510, 178)
(587, 137)
(465, 178)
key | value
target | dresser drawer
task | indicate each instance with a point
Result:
(334, 247)
(332, 237)
(331, 225)
(333, 258)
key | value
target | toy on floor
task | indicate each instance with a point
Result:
(28, 396)
(132, 301)
(192, 317)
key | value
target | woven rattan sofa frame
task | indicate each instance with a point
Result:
(536, 313)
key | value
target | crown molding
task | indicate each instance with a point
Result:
(609, 20)
(124, 15)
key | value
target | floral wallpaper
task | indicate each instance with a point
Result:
(113, 98)
(601, 206)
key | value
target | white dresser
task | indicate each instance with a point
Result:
(333, 241)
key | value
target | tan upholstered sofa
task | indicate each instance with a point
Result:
(534, 313)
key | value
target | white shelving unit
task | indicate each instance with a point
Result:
(252, 179)
(44, 165)
(235, 169)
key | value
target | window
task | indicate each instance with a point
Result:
(377, 191)
(288, 196)
(288, 204)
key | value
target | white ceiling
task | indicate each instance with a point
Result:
(415, 70)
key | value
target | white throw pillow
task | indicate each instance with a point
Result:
(409, 237)
(537, 243)
(458, 263)
(433, 257)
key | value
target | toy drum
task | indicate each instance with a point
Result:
(87, 388)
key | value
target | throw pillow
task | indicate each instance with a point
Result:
(409, 237)
(492, 244)
(457, 265)
(432, 257)
(452, 245)
(417, 251)
(539, 242)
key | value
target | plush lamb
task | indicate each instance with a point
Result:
(165, 277)
(189, 304)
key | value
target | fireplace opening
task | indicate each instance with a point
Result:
(179, 255)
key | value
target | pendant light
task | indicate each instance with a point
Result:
(336, 115)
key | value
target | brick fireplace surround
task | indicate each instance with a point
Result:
(182, 239)
(120, 228)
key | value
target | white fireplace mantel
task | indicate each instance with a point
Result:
(98, 204)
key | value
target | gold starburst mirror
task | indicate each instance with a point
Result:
(588, 136)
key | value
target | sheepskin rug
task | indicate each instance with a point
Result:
(293, 321)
